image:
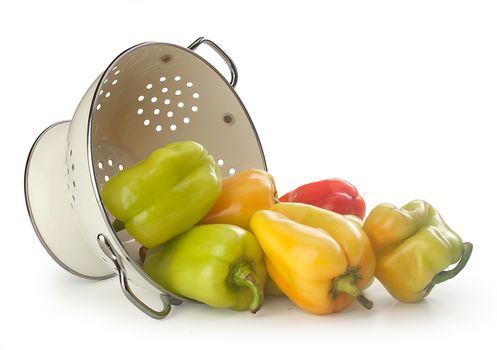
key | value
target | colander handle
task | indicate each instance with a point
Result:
(123, 280)
(222, 53)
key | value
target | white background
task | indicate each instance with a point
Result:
(399, 98)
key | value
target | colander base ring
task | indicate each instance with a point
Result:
(50, 210)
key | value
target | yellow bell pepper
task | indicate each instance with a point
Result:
(320, 259)
(241, 196)
(414, 246)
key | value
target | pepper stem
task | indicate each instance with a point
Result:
(467, 249)
(244, 277)
(347, 283)
(275, 197)
(118, 225)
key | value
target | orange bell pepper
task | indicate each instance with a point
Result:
(241, 196)
(320, 259)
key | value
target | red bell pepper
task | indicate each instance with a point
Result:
(336, 195)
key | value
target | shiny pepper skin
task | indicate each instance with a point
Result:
(165, 194)
(414, 246)
(336, 195)
(241, 196)
(320, 259)
(219, 265)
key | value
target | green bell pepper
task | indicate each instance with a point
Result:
(220, 265)
(165, 194)
(413, 247)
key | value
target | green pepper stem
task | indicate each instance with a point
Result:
(467, 249)
(346, 283)
(118, 225)
(244, 277)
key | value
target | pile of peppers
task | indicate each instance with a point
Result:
(229, 242)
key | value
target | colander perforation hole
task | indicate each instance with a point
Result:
(113, 82)
(107, 168)
(231, 171)
(220, 162)
(175, 97)
(69, 174)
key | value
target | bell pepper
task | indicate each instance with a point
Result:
(241, 196)
(414, 246)
(320, 259)
(336, 195)
(272, 289)
(165, 194)
(219, 265)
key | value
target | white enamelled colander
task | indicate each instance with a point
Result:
(150, 95)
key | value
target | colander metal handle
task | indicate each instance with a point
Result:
(222, 53)
(123, 280)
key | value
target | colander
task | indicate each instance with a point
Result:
(151, 94)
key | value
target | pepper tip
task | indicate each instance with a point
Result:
(368, 304)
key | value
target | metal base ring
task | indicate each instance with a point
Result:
(49, 208)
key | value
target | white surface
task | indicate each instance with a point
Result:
(51, 208)
(399, 99)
